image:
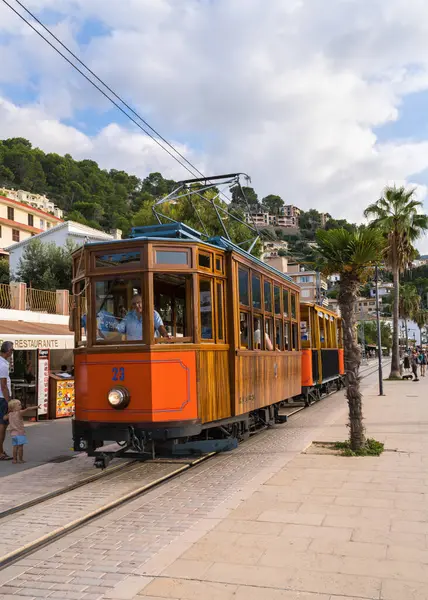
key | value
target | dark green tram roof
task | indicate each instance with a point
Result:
(183, 233)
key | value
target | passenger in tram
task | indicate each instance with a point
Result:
(258, 337)
(132, 324)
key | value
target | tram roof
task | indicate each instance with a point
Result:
(184, 233)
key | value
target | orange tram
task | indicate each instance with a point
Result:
(184, 345)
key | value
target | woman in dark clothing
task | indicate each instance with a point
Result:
(415, 364)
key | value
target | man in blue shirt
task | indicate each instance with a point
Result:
(132, 324)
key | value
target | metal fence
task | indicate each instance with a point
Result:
(5, 296)
(41, 301)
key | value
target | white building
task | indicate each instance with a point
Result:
(288, 217)
(34, 200)
(59, 235)
(384, 289)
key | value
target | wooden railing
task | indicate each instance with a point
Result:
(41, 301)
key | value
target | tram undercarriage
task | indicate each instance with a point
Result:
(144, 442)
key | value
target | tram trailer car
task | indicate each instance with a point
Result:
(225, 359)
(323, 365)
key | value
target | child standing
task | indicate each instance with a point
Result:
(16, 427)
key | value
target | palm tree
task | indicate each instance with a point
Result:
(409, 305)
(396, 215)
(350, 254)
(421, 319)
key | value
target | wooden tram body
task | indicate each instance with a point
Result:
(323, 363)
(233, 358)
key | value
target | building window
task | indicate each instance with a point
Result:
(0, 231)
(42, 224)
(30, 220)
(15, 235)
(305, 293)
(48, 225)
(10, 213)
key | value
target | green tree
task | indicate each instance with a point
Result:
(350, 254)
(396, 214)
(4, 271)
(240, 197)
(421, 319)
(46, 266)
(370, 334)
(409, 305)
(273, 203)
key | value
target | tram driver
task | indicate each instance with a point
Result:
(132, 324)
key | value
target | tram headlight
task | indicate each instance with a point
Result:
(118, 397)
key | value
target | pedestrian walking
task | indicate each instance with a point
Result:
(406, 363)
(15, 416)
(415, 363)
(6, 351)
(423, 362)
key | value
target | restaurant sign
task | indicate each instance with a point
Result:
(33, 342)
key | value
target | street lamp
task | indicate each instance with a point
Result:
(379, 337)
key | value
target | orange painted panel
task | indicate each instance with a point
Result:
(307, 378)
(162, 386)
(341, 362)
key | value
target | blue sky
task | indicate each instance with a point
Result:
(322, 107)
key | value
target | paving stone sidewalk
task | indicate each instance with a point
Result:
(322, 528)
(109, 557)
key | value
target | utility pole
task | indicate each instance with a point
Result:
(379, 337)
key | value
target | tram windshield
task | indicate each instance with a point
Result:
(120, 309)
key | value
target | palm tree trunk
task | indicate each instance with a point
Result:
(347, 298)
(395, 360)
(407, 333)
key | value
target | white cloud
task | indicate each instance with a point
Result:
(289, 92)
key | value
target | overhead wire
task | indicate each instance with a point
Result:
(192, 172)
(178, 156)
(33, 16)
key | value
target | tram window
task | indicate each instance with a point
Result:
(172, 296)
(277, 298)
(269, 334)
(219, 264)
(117, 259)
(278, 334)
(243, 287)
(172, 257)
(287, 336)
(305, 331)
(206, 309)
(293, 306)
(204, 260)
(78, 314)
(285, 298)
(268, 296)
(119, 310)
(256, 291)
(257, 333)
(295, 336)
(244, 329)
(220, 310)
(322, 328)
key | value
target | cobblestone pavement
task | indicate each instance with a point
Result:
(29, 485)
(40, 520)
(109, 557)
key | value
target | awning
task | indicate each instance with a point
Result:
(32, 336)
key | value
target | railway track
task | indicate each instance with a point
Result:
(131, 471)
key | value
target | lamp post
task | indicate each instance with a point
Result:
(379, 337)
